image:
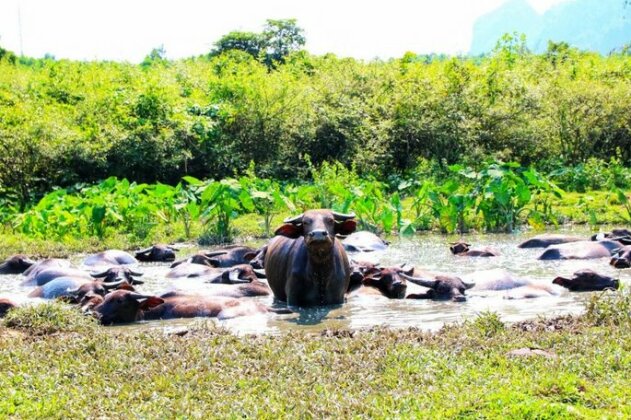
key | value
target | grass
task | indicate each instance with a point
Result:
(593, 208)
(461, 371)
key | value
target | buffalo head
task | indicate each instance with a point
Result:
(389, 281)
(622, 257)
(156, 253)
(123, 306)
(583, 280)
(16, 264)
(459, 247)
(441, 287)
(318, 227)
(118, 275)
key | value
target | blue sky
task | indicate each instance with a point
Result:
(129, 29)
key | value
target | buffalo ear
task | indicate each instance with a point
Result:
(346, 227)
(290, 231)
(151, 302)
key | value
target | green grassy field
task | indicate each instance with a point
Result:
(56, 363)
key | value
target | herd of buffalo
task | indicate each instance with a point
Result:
(304, 264)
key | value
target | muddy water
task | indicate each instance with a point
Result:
(428, 251)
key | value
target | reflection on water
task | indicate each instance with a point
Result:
(428, 251)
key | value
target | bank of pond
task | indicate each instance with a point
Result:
(318, 272)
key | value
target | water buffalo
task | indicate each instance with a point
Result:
(464, 249)
(45, 275)
(440, 287)
(226, 257)
(499, 279)
(621, 235)
(388, 281)
(16, 264)
(42, 265)
(112, 274)
(110, 257)
(156, 253)
(581, 250)
(622, 257)
(305, 264)
(238, 281)
(359, 270)
(363, 241)
(585, 280)
(118, 274)
(67, 286)
(547, 239)
(123, 306)
(5, 306)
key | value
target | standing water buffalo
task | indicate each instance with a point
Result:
(464, 249)
(363, 241)
(16, 264)
(156, 253)
(585, 280)
(305, 264)
(581, 250)
(622, 257)
(110, 257)
(547, 239)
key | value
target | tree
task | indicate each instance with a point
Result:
(282, 37)
(156, 56)
(250, 42)
(7, 55)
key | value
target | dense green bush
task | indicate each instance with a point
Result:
(63, 122)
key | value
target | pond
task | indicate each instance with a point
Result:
(428, 251)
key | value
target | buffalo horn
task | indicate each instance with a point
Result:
(340, 217)
(113, 284)
(420, 281)
(215, 253)
(468, 285)
(293, 220)
(259, 273)
(135, 273)
(143, 251)
(102, 274)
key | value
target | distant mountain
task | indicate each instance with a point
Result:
(596, 25)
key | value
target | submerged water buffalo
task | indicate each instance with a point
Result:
(110, 257)
(238, 281)
(240, 272)
(547, 239)
(621, 235)
(123, 306)
(581, 250)
(16, 264)
(440, 286)
(67, 286)
(226, 257)
(388, 281)
(586, 280)
(364, 241)
(622, 257)
(514, 287)
(45, 275)
(305, 264)
(156, 253)
(42, 265)
(464, 249)
(112, 274)
(359, 270)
